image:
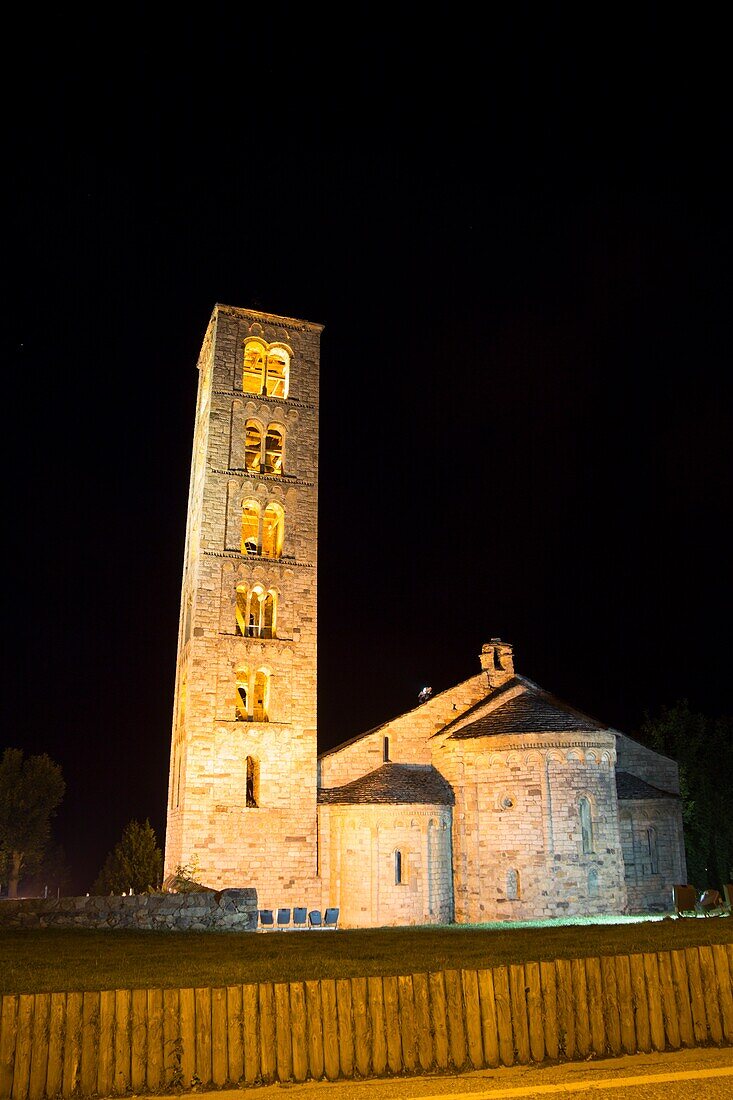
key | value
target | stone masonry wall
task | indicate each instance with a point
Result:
(270, 845)
(358, 845)
(409, 735)
(516, 829)
(204, 911)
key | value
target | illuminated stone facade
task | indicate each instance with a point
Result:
(491, 800)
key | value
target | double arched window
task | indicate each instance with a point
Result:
(266, 369)
(253, 695)
(263, 449)
(256, 611)
(262, 532)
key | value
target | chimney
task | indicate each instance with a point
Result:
(497, 660)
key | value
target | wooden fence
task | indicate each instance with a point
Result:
(122, 1041)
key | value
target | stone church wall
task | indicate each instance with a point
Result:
(358, 863)
(654, 856)
(408, 735)
(517, 836)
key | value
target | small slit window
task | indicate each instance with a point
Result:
(512, 884)
(593, 883)
(252, 783)
(651, 843)
(385, 750)
(586, 826)
(398, 879)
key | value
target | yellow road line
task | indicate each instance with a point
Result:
(588, 1085)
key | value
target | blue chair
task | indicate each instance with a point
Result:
(283, 918)
(315, 920)
(266, 920)
(300, 917)
(331, 919)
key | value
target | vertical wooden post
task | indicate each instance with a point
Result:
(235, 1045)
(172, 1068)
(56, 1031)
(421, 995)
(283, 1036)
(682, 997)
(565, 1007)
(489, 1031)
(723, 975)
(626, 1004)
(299, 1030)
(710, 993)
(89, 1044)
(251, 1032)
(456, 1026)
(548, 981)
(330, 1029)
(534, 1011)
(504, 1015)
(188, 1036)
(202, 1002)
(580, 997)
(123, 1041)
(669, 1004)
(469, 980)
(611, 1004)
(392, 1024)
(156, 1068)
(315, 1029)
(219, 1028)
(654, 998)
(345, 1026)
(139, 1036)
(376, 1020)
(697, 1000)
(39, 1047)
(407, 1022)
(8, 1027)
(72, 1044)
(23, 1039)
(641, 1004)
(267, 1031)
(438, 1018)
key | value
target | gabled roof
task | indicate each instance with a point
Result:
(534, 711)
(629, 786)
(394, 784)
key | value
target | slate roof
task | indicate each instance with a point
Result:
(394, 784)
(529, 712)
(630, 786)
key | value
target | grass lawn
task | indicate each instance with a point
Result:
(55, 960)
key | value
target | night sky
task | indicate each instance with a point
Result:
(517, 238)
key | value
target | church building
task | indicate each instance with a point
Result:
(493, 800)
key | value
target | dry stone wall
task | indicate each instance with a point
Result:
(204, 911)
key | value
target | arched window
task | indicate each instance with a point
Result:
(252, 793)
(254, 367)
(269, 607)
(254, 613)
(273, 528)
(512, 884)
(241, 609)
(252, 445)
(278, 370)
(261, 699)
(241, 713)
(651, 843)
(250, 526)
(273, 450)
(593, 882)
(586, 826)
(398, 880)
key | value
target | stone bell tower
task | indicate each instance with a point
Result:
(242, 786)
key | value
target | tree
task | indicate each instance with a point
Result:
(136, 862)
(703, 748)
(31, 790)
